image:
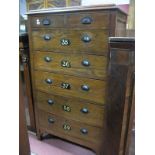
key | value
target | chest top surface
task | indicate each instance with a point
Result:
(76, 9)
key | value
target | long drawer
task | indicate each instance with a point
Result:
(72, 20)
(71, 41)
(73, 64)
(68, 127)
(71, 108)
(84, 88)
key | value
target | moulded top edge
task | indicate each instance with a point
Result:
(120, 39)
(75, 8)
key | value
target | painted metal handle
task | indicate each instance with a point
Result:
(86, 20)
(84, 110)
(48, 59)
(85, 63)
(86, 38)
(85, 87)
(51, 120)
(84, 131)
(48, 81)
(46, 22)
(47, 37)
(50, 101)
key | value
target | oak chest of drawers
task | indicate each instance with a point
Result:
(70, 69)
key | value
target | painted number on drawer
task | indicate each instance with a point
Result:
(67, 127)
(65, 63)
(65, 42)
(66, 108)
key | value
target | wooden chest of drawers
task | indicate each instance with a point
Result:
(71, 73)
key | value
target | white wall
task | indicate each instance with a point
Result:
(96, 2)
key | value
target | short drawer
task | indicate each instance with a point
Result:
(71, 41)
(71, 108)
(73, 64)
(84, 88)
(88, 20)
(47, 21)
(69, 127)
(72, 20)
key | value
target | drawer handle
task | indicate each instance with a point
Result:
(50, 101)
(84, 110)
(84, 131)
(65, 63)
(51, 120)
(46, 22)
(48, 81)
(86, 38)
(66, 108)
(65, 42)
(47, 37)
(85, 63)
(47, 59)
(85, 87)
(65, 85)
(86, 20)
(67, 127)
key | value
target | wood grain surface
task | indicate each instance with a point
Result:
(97, 45)
(94, 134)
(71, 108)
(96, 91)
(96, 69)
(105, 76)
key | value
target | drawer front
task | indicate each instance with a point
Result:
(74, 64)
(74, 41)
(47, 21)
(72, 20)
(71, 108)
(88, 20)
(68, 127)
(93, 90)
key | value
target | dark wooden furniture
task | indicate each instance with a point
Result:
(122, 53)
(78, 87)
(26, 80)
(130, 138)
(24, 148)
